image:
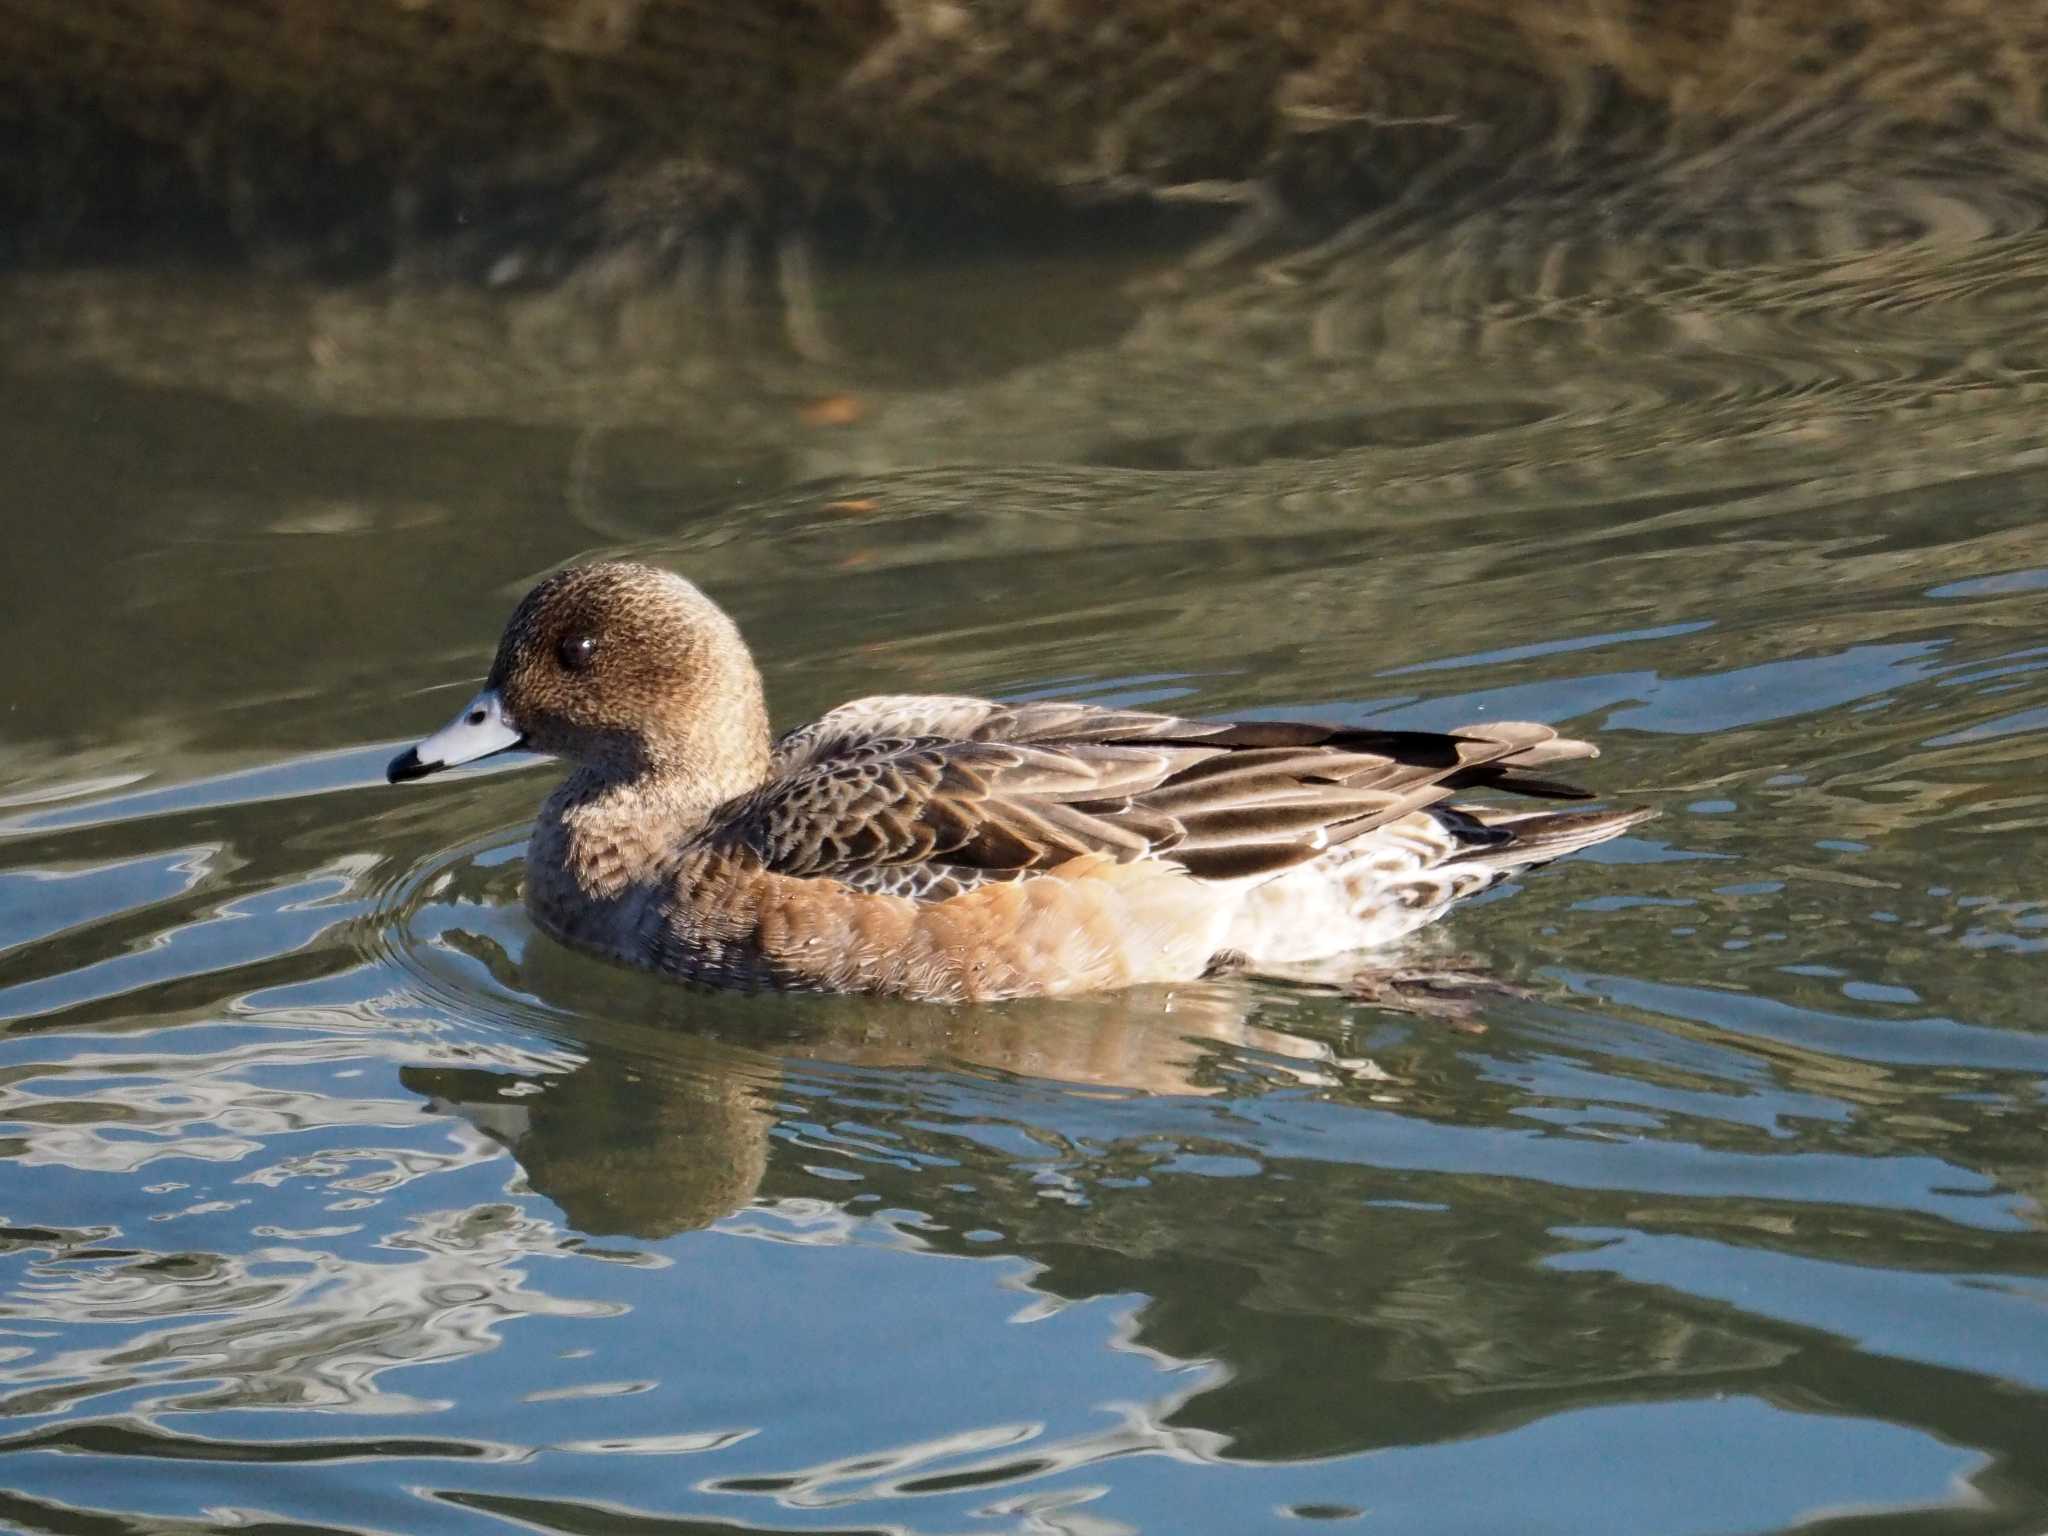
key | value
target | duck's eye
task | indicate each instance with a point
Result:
(574, 651)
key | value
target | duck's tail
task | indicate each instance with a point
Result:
(1521, 840)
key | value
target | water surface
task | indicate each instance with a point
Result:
(336, 1198)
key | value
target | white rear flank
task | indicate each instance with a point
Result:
(1380, 888)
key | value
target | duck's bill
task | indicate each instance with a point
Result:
(481, 730)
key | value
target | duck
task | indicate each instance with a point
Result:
(954, 849)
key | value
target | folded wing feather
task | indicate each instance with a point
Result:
(930, 794)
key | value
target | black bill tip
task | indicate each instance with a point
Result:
(407, 766)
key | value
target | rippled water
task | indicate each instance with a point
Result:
(336, 1199)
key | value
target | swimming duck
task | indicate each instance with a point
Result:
(960, 849)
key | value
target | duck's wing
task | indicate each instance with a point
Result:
(985, 790)
(1000, 808)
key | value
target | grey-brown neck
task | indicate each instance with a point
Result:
(616, 822)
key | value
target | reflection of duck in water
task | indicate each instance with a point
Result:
(948, 848)
(659, 1132)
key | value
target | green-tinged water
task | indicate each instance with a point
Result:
(336, 1199)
